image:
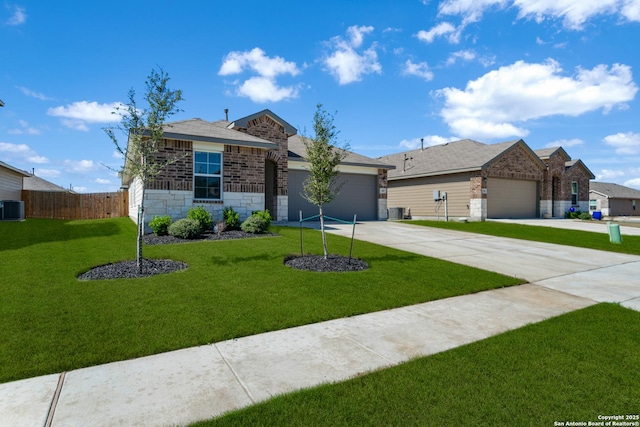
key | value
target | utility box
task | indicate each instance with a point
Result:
(12, 210)
(396, 213)
(436, 195)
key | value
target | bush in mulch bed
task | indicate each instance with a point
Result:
(151, 239)
(333, 263)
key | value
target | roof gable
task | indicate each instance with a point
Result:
(579, 163)
(547, 153)
(244, 122)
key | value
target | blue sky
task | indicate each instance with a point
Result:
(552, 72)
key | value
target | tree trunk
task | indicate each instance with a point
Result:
(140, 232)
(324, 236)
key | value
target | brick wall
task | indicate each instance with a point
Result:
(178, 175)
(266, 128)
(243, 169)
(555, 169)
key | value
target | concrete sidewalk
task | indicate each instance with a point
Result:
(192, 384)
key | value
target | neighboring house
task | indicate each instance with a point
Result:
(250, 164)
(11, 182)
(35, 183)
(565, 184)
(505, 180)
(613, 199)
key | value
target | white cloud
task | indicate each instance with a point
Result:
(345, 63)
(575, 13)
(463, 55)
(420, 70)
(264, 87)
(470, 10)
(256, 60)
(441, 30)
(37, 95)
(102, 181)
(633, 183)
(606, 174)
(565, 143)
(79, 166)
(624, 143)
(18, 16)
(21, 153)
(427, 140)
(24, 129)
(495, 105)
(77, 115)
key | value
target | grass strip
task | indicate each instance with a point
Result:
(52, 322)
(570, 368)
(581, 239)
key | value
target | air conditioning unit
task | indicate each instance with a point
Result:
(12, 210)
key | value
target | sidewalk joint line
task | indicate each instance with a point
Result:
(54, 401)
(235, 374)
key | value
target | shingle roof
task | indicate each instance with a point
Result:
(614, 191)
(545, 153)
(297, 152)
(201, 130)
(453, 157)
(35, 183)
(14, 169)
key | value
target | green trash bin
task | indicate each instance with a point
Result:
(614, 233)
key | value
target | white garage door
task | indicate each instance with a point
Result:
(357, 196)
(511, 198)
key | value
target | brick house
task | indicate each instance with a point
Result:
(565, 184)
(505, 180)
(253, 163)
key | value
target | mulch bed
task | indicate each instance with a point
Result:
(152, 267)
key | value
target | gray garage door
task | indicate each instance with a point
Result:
(511, 198)
(357, 196)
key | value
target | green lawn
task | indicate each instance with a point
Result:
(569, 368)
(52, 322)
(583, 239)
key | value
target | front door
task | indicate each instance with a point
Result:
(270, 175)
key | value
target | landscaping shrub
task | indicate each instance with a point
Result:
(203, 217)
(160, 225)
(584, 216)
(231, 218)
(572, 214)
(264, 215)
(185, 228)
(254, 224)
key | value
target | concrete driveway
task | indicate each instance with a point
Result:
(598, 275)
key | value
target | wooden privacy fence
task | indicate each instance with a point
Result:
(65, 205)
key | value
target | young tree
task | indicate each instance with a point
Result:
(144, 129)
(323, 155)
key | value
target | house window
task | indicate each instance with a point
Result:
(207, 175)
(574, 193)
(593, 205)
